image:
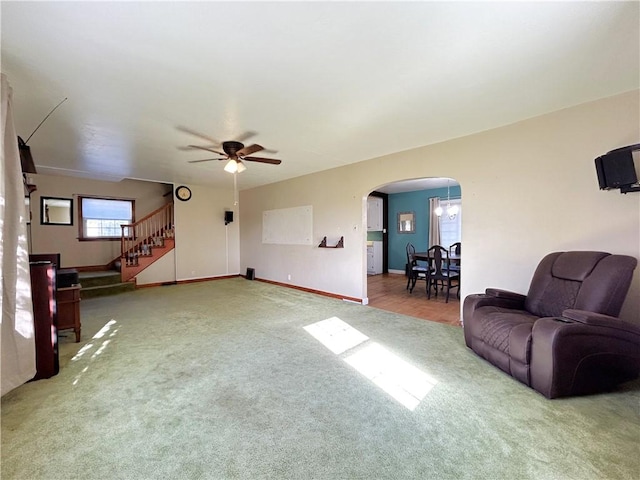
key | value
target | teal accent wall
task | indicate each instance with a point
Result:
(417, 202)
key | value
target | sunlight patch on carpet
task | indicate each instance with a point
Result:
(108, 327)
(404, 382)
(103, 331)
(335, 334)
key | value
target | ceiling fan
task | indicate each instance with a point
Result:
(234, 151)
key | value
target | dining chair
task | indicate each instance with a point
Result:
(441, 271)
(415, 271)
(455, 249)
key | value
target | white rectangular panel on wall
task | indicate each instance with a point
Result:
(288, 226)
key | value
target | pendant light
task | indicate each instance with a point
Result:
(438, 211)
(452, 210)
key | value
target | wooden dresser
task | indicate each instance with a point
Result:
(68, 300)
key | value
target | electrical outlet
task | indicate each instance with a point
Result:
(289, 277)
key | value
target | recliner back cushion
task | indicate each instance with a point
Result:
(557, 281)
(576, 266)
(605, 290)
(593, 281)
(557, 297)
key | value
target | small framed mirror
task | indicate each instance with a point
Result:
(56, 211)
(406, 222)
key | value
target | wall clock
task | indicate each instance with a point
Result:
(183, 193)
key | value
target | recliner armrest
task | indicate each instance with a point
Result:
(510, 300)
(506, 294)
(493, 298)
(600, 320)
(570, 355)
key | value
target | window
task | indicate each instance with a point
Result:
(100, 218)
(450, 229)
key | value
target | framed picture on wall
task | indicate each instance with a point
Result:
(406, 222)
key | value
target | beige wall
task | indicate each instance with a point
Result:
(64, 239)
(528, 189)
(161, 271)
(205, 247)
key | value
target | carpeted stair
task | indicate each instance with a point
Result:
(103, 283)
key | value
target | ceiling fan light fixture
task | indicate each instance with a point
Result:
(234, 166)
(231, 166)
(235, 152)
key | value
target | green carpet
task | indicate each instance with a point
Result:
(220, 380)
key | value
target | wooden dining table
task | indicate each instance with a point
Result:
(454, 259)
(425, 256)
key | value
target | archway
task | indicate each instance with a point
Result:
(404, 197)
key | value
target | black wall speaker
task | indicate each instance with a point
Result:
(228, 217)
(616, 169)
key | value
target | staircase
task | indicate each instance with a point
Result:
(147, 240)
(102, 283)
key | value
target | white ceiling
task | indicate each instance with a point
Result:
(323, 83)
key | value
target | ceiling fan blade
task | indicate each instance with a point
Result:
(245, 136)
(205, 160)
(207, 149)
(272, 161)
(188, 148)
(249, 150)
(198, 134)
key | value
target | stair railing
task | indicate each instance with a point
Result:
(140, 237)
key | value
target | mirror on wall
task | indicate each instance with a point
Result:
(406, 222)
(56, 211)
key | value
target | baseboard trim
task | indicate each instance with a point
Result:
(206, 279)
(398, 272)
(157, 284)
(280, 284)
(190, 280)
(311, 290)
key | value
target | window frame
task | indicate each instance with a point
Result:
(458, 219)
(81, 221)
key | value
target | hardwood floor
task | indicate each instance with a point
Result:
(388, 292)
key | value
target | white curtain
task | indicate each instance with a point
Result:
(17, 343)
(434, 222)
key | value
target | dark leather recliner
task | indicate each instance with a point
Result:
(563, 338)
